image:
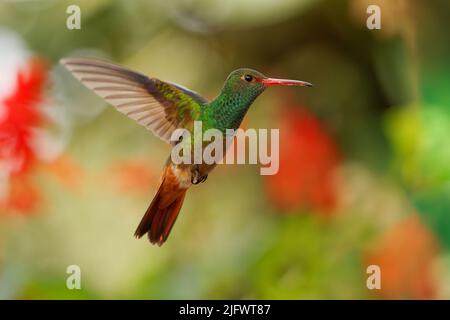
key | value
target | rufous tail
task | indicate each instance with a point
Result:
(163, 211)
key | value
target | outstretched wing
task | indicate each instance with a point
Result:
(159, 106)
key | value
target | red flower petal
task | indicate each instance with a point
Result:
(308, 159)
(21, 115)
(134, 176)
(405, 256)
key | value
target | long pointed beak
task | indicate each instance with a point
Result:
(285, 82)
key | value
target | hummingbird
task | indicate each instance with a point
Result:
(162, 107)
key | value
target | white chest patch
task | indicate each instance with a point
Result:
(183, 176)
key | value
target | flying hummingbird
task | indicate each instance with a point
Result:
(162, 107)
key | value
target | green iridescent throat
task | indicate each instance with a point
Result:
(228, 109)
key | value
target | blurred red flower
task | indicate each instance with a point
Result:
(308, 160)
(66, 171)
(24, 196)
(20, 114)
(405, 256)
(135, 176)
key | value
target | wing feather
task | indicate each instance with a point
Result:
(157, 105)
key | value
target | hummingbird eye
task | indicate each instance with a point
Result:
(248, 78)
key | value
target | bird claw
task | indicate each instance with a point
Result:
(196, 180)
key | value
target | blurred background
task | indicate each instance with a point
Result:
(364, 155)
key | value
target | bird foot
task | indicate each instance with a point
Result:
(196, 179)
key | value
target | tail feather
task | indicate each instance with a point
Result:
(171, 216)
(160, 217)
(147, 220)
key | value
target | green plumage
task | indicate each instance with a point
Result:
(163, 106)
(228, 109)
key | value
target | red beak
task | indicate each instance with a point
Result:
(285, 82)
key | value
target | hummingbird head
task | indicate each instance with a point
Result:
(251, 83)
(241, 88)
